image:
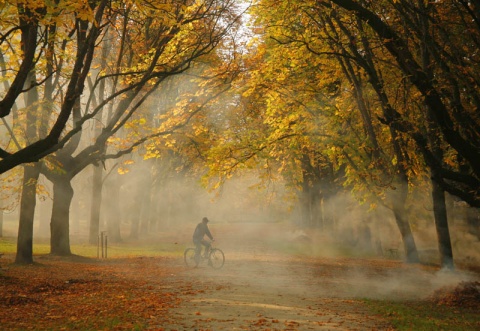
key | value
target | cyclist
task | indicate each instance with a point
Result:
(200, 231)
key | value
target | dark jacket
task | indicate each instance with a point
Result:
(200, 231)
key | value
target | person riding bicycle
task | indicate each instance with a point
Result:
(200, 231)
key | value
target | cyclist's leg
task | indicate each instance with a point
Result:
(198, 247)
(207, 247)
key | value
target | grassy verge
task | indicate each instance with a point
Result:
(125, 249)
(7, 245)
(425, 316)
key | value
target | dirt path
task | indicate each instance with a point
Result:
(269, 293)
(251, 292)
(297, 293)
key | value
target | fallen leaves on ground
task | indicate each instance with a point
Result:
(87, 294)
(141, 293)
(465, 295)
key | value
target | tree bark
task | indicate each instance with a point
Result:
(136, 214)
(97, 185)
(27, 212)
(441, 226)
(60, 225)
(30, 179)
(305, 203)
(312, 197)
(147, 213)
(398, 203)
(434, 130)
(96, 204)
(114, 218)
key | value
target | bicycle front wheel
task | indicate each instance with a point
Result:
(190, 257)
(217, 258)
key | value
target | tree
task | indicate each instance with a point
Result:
(174, 38)
(326, 32)
(451, 97)
(411, 51)
(357, 60)
(35, 25)
(176, 34)
(266, 125)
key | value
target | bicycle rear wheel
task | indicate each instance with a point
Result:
(190, 258)
(217, 258)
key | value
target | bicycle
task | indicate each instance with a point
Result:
(215, 257)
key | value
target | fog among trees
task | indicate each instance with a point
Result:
(342, 126)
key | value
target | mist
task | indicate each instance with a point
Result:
(260, 230)
(179, 202)
(267, 249)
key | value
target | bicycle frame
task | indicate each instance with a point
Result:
(215, 257)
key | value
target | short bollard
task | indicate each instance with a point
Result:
(102, 244)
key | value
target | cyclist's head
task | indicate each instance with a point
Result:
(205, 220)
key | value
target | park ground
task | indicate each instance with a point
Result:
(258, 288)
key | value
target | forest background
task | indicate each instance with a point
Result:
(357, 120)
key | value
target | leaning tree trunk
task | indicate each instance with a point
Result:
(400, 199)
(401, 219)
(60, 221)
(27, 211)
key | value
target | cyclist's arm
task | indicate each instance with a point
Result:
(209, 235)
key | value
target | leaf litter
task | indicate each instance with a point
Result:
(159, 293)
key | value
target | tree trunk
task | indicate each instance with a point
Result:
(96, 204)
(317, 207)
(305, 204)
(27, 211)
(114, 215)
(60, 222)
(410, 248)
(97, 184)
(441, 226)
(147, 214)
(30, 179)
(156, 196)
(400, 199)
(310, 197)
(1, 219)
(136, 214)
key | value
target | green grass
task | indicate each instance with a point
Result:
(425, 316)
(7, 246)
(125, 249)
